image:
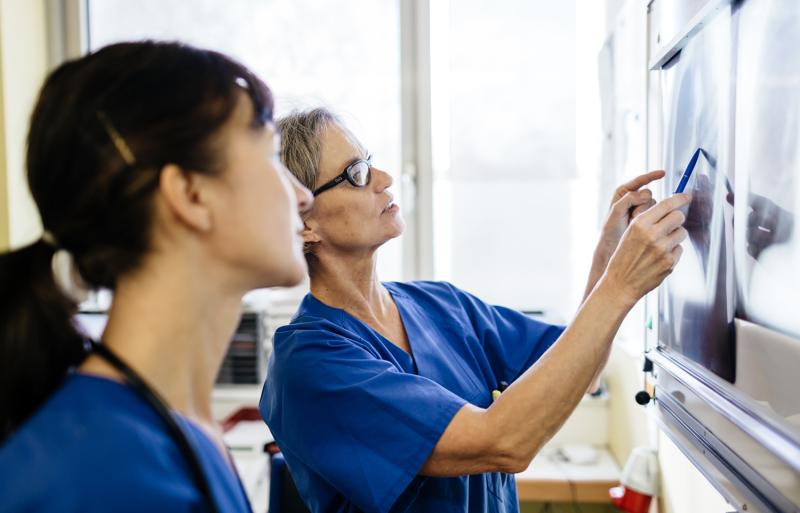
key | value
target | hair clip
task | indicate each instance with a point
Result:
(122, 147)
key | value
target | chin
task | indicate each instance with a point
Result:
(399, 227)
(296, 275)
(290, 279)
(389, 236)
(288, 273)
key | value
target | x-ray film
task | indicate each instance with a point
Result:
(767, 236)
(698, 299)
(768, 165)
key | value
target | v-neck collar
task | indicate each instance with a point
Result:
(397, 297)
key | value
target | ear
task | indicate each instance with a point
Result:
(183, 194)
(310, 236)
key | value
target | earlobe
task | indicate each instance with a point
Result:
(183, 195)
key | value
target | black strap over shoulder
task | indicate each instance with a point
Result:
(158, 404)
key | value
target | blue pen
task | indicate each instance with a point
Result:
(688, 172)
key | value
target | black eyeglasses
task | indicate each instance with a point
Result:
(357, 173)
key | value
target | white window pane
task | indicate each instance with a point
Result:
(505, 184)
(508, 249)
(512, 89)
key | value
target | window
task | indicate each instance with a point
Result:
(503, 82)
(346, 57)
(512, 215)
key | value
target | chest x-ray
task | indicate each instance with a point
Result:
(768, 165)
(767, 162)
(698, 299)
(734, 92)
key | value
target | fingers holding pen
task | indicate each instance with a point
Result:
(650, 248)
(665, 207)
(670, 222)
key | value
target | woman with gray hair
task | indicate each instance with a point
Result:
(419, 396)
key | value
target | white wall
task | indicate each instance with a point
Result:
(683, 487)
(23, 58)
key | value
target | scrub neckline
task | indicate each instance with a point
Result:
(394, 293)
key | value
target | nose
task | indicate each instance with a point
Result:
(384, 179)
(305, 199)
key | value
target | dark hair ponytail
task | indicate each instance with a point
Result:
(38, 339)
(103, 128)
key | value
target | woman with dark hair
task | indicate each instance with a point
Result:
(417, 396)
(154, 168)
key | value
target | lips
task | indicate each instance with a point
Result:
(389, 204)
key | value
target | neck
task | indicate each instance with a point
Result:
(350, 282)
(173, 329)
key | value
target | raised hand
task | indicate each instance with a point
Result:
(649, 249)
(629, 201)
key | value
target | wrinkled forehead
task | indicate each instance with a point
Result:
(341, 137)
(339, 148)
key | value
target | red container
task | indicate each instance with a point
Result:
(629, 500)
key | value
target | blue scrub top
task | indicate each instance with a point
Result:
(356, 417)
(96, 445)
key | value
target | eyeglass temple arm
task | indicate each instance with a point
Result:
(333, 183)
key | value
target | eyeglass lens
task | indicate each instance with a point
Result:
(359, 173)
